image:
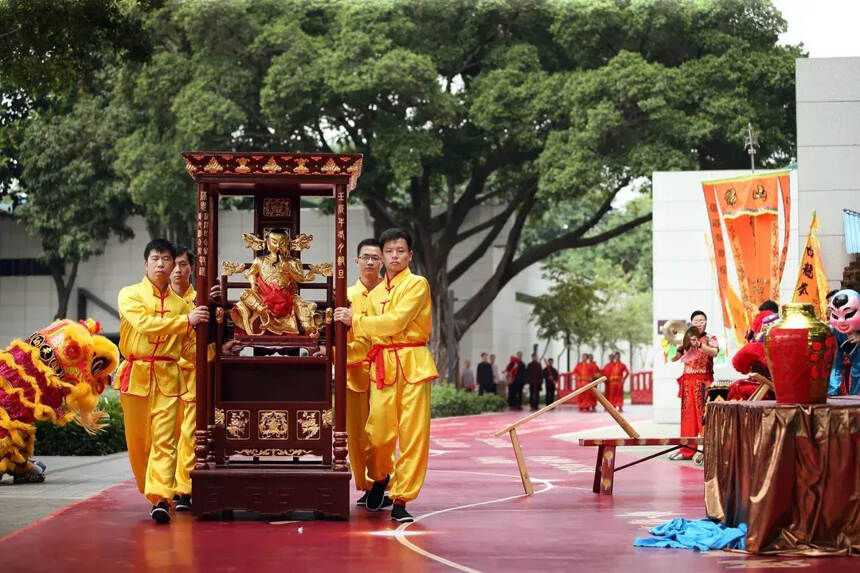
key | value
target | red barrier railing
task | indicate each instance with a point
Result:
(641, 387)
(566, 383)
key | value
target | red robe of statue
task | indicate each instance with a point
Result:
(616, 373)
(584, 374)
(692, 385)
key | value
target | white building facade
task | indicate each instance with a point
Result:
(827, 180)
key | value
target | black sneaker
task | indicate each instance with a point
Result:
(362, 500)
(182, 502)
(399, 514)
(387, 502)
(32, 475)
(160, 513)
(376, 495)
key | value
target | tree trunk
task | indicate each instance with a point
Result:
(64, 286)
(442, 322)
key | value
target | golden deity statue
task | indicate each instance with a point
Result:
(272, 304)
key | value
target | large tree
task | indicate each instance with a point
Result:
(74, 200)
(58, 128)
(49, 49)
(601, 296)
(544, 110)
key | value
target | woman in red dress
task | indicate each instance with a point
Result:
(697, 353)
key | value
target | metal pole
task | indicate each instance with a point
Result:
(450, 331)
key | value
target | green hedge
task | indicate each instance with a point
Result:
(73, 440)
(446, 400)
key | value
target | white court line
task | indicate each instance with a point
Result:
(400, 531)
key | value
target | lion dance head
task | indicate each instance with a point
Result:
(56, 375)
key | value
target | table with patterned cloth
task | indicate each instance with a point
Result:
(791, 472)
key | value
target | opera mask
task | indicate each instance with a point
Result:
(845, 311)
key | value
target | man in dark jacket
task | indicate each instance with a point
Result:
(535, 379)
(516, 369)
(484, 375)
(550, 378)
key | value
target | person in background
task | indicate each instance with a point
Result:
(550, 379)
(583, 373)
(770, 306)
(534, 374)
(498, 379)
(516, 373)
(616, 373)
(467, 378)
(484, 376)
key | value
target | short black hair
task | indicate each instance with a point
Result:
(371, 242)
(159, 246)
(697, 313)
(769, 305)
(393, 234)
(183, 250)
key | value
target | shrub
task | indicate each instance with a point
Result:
(446, 400)
(73, 440)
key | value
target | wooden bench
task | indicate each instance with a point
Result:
(604, 471)
(511, 429)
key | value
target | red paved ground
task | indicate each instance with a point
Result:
(471, 517)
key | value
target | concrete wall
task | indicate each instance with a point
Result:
(828, 152)
(684, 279)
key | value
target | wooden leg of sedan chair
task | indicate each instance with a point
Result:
(625, 425)
(521, 463)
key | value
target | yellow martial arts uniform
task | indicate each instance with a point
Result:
(398, 324)
(154, 333)
(357, 388)
(186, 459)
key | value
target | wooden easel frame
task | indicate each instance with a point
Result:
(511, 429)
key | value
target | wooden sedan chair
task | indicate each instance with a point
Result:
(266, 438)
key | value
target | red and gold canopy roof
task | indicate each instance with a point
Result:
(306, 167)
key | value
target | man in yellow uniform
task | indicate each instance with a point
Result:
(398, 324)
(180, 282)
(154, 333)
(369, 263)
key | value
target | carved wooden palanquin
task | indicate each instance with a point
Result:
(268, 438)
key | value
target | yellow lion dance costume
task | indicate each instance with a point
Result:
(57, 374)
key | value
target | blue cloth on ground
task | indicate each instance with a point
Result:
(701, 534)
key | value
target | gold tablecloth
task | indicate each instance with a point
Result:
(790, 472)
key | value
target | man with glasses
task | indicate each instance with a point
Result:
(369, 263)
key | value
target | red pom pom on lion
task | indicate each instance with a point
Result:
(55, 375)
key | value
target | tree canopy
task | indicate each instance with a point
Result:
(481, 123)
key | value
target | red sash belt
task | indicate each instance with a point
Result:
(377, 357)
(125, 377)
